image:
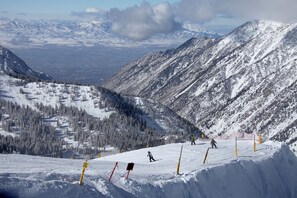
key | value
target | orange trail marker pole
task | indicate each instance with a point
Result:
(128, 174)
(116, 165)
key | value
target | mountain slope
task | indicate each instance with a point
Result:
(12, 65)
(65, 120)
(243, 82)
(53, 119)
(270, 172)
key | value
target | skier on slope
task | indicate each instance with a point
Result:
(193, 140)
(150, 155)
(213, 143)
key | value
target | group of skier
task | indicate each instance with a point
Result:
(213, 144)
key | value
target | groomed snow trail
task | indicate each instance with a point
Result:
(271, 172)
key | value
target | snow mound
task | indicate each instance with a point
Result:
(271, 172)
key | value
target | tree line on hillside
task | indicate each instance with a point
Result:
(36, 138)
(32, 136)
(124, 129)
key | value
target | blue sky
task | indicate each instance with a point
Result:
(67, 6)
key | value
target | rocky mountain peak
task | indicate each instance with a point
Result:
(243, 82)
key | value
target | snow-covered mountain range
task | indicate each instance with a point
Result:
(30, 33)
(244, 82)
(12, 65)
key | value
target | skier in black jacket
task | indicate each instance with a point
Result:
(193, 140)
(213, 143)
(150, 155)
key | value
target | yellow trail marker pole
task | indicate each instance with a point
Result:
(85, 165)
(236, 151)
(254, 143)
(259, 138)
(178, 164)
(205, 156)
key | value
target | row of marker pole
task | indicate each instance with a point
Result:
(131, 165)
(236, 149)
(254, 144)
(129, 168)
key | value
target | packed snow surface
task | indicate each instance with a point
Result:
(271, 172)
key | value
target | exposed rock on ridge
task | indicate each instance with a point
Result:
(12, 65)
(245, 81)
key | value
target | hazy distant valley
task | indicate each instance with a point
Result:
(83, 51)
(81, 64)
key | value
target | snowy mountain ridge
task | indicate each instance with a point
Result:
(34, 33)
(243, 82)
(12, 65)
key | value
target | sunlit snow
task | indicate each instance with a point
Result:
(271, 172)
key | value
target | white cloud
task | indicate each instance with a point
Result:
(141, 22)
(207, 10)
(282, 10)
(196, 10)
(91, 10)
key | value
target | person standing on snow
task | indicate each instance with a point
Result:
(193, 140)
(213, 143)
(150, 155)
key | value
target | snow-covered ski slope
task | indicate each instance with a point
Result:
(269, 172)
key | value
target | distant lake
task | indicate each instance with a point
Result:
(90, 65)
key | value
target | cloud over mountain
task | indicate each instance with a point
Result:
(142, 22)
(89, 12)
